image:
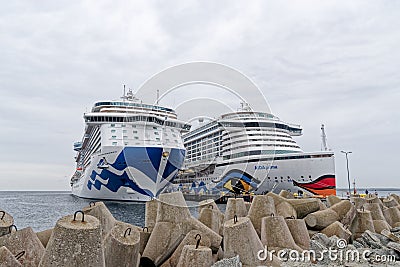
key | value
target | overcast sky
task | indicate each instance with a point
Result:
(331, 62)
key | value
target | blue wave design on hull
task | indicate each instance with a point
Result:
(115, 182)
(146, 160)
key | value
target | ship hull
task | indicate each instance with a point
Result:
(312, 173)
(128, 173)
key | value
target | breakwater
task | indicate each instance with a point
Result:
(273, 230)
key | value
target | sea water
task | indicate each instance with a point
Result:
(41, 210)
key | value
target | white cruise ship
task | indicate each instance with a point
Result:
(130, 151)
(249, 151)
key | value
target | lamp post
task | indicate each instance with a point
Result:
(348, 171)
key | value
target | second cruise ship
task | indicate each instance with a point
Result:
(130, 151)
(247, 151)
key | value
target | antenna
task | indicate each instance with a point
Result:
(124, 90)
(324, 145)
(158, 96)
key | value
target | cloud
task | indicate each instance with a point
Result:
(332, 62)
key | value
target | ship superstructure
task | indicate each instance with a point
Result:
(247, 151)
(129, 151)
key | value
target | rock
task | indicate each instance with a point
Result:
(321, 239)
(395, 246)
(230, 262)
(391, 236)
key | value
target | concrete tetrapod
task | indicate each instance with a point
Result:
(349, 217)
(305, 206)
(150, 216)
(193, 255)
(144, 238)
(240, 238)
(341, 208)
(76, 241)
(282, 206)
(210, 218)
(373, 199)
(358, 202)
(362, 223)
(397, 197)
(210, 203)
(24, 240)
(376, 211)
(298, 230)
(190, 239)
(321, 204)
(275, 234)
(320, 219)
(121, 246)
(338, 230)
(286, 194)
(206, 204)
(173, 223)
(380, 225)
(332, 200)
(261, 206)
(7, 259)
(390, 202)
(44, 236)
(101, 212)
(392, 215)
(235, 206)
(6, 220)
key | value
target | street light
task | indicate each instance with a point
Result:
(348, 172)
